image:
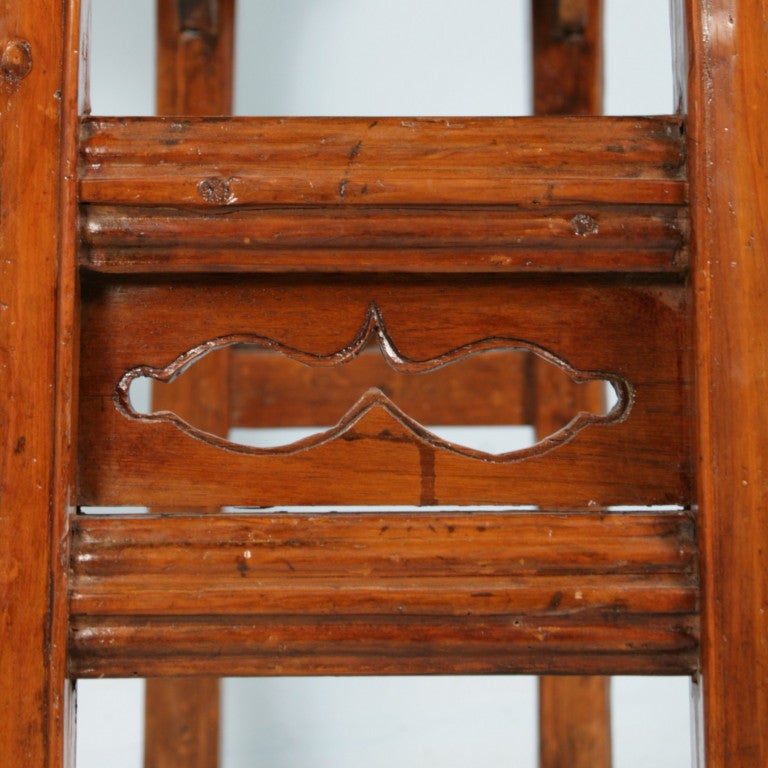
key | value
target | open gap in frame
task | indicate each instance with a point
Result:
(303, 57)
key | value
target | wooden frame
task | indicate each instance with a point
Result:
(728, 102)
(38, 375)
(729, 283)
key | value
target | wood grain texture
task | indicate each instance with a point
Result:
(385, 593)
(567, 57)
(567, 53)
(195, 63)
(574, 722)
(639, 333)
(728, 94)
(38, 124)
(574, 710)
(195, 57)
(270, 390)
(488, 195)
(181, 722)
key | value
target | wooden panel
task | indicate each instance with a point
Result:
(389, 593)
(730, 209)
(579, 194)
(38, 122)
(638, 333)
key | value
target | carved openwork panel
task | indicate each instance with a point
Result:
(380, 448)
(493, 379)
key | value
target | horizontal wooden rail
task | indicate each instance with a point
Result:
(385, 593)
(493, 194)
(377, 453)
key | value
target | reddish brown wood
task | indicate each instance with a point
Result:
(181, 724)
(270, 390)
(638, 333)
(533, 194)
(194, 77)
(203, 398)
(38, 135)
(574, 712)
(552, 398)
(301, 160)
(561, 237)
(388, 593)
(728, 95)
(181, 719)
(567, 57)
(195, 44)
(574, 722)
(730, 284)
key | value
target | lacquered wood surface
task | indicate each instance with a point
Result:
(567, 58)
(574, 722)
(728, 94)
(195, 62)
(181, 722)
(194, 57)
(270, 390)
(384, 593)
(389, 195)
(727, 100)
(38, 82)
(638, 334)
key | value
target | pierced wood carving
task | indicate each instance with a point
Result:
(373, 330)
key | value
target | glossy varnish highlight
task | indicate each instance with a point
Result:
(384, 593)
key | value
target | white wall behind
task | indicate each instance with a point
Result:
(439, 57)
(383, 57)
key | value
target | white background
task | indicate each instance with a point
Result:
(379, 57)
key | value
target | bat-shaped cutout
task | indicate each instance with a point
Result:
(486, 388)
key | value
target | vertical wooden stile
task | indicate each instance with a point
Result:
(39, 52)
(195, 62)
(728, 107)
(567, 57)
(574, 712)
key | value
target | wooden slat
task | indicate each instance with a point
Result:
(181, 723)
(359, 593)
(195, 57)
(270, 390)
(574, 722)
(574, 710)
(730, 216)
(638, 333)
(525, 194)
(567, 56)
(160, 152)
(195, 62)
(625, 238)
(38, 345)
